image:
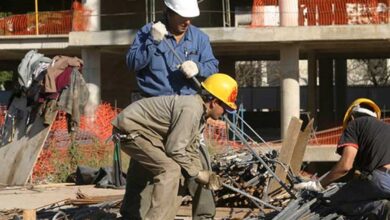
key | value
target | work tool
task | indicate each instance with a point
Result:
(196, 81)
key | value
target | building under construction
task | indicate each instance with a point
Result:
(282, 125)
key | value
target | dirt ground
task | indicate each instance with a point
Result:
(36, 197)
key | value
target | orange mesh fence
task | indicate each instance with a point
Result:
(91, 140)
(50, 22)
(330, 136)
(80, 16)
(264, 12)
(324, 12)
(215, 134)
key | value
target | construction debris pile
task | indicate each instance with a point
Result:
(241, 169)
(311, 206)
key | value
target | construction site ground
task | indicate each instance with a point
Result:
(35, 197)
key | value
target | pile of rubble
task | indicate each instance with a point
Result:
(242, 170)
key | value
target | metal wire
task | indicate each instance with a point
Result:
(59, 214)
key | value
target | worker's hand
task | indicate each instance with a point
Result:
(215, 182)
(313, 185)
(189, 68)
(203, 177)
(158, 31)
(209, 179)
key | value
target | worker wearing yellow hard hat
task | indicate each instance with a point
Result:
(159, 133)
(365, 146)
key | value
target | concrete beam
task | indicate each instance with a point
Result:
(101, 38)
(299, 34)
(250, 35)
(29, 42)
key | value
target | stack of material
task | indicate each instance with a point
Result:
(311, 206)
(242, 170)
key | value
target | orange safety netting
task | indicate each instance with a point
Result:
(80, 16)
(51, 22)
(330, 136)
(323, 12)
(99, 127)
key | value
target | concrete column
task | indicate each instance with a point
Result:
(326, 119)
(289, 86)
(91, 68)
(341, 88)
(312, 85)
(91, 56)
(289, 62)
(288, 12)
(94, 20)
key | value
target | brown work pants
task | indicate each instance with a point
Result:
(166, 176)
(139, 186)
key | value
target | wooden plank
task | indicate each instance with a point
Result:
(286, 151)
(300, 147)
(29, 214)
(18, 157)
(222, 212)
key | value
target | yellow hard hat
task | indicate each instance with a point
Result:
(222, 87)
(355, 106)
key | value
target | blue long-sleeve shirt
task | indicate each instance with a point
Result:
(157, 68)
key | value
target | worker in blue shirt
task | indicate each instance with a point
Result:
(158, 71)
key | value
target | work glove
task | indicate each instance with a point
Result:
(209, 179)
(189, 68)
(215, 182)
(313, 185)
(158, 31)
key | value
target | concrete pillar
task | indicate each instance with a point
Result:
(91, 68)
(312, 85)
(289, 62)
(288, 12)
(94, 8)
(91, 56)
(325, 119)
(341, 88)
(289, 86)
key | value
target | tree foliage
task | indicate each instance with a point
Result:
(368, 72)
(5, 76)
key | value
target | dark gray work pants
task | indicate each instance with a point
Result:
(364, 197)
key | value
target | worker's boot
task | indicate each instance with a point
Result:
(50, 111)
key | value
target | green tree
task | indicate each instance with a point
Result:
(5, 76)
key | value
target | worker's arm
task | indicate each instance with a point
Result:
(185, 126)
(343, 166)
(142, 50)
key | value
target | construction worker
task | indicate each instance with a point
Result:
(364, 145)
(158, 132)
(160, 72)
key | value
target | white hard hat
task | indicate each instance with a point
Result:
(185, 8)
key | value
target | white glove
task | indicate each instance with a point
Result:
(158, 31)
(189, 68)
(313, 185)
